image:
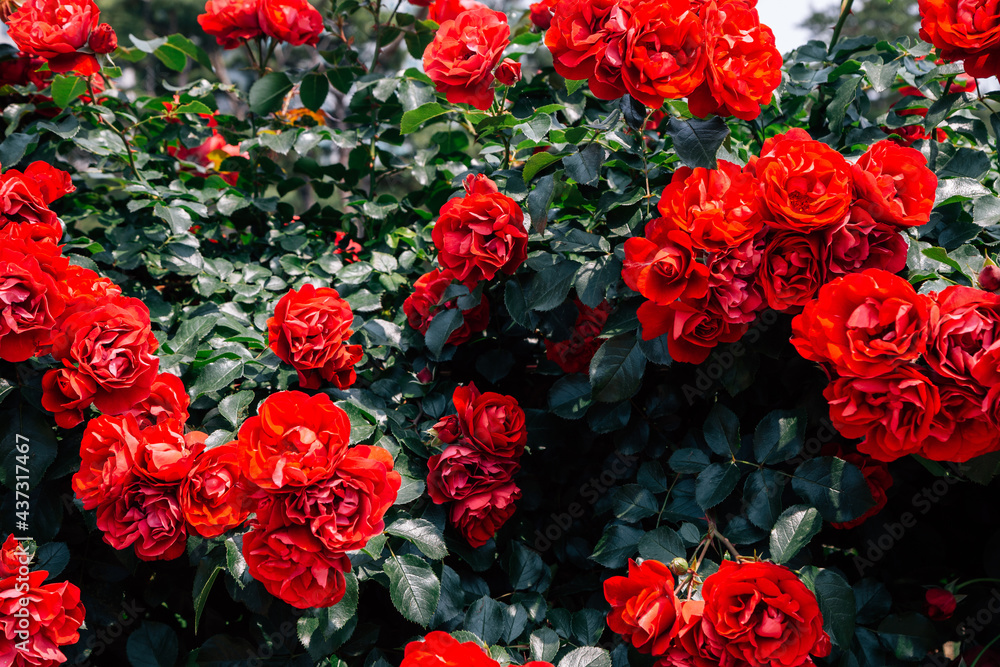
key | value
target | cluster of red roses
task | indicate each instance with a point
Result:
(752, 614)
(484, 442)
(962, 30)
(67, 34)
(731, 241)
(233, 22)
(574, 354)
(309, 331)
(439, 649)
(716, 53)
(36, 618)
(912, 373)
(315, 498)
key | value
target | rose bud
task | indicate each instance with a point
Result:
(509, 72)
(103, 39)
(989, 278)
(679, 566)
(940, 605)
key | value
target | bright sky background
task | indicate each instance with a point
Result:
(784, 17)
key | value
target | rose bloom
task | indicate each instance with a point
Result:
(346, 510)
(167, 400)
(692, 330)
(231, 21)
(877, 478)
(492, 422)
(448, 429)
(961, 429)
(792, 269)
(54, 613)
(294, 565)
(30, 303)
(147, 517)
(461, 471)
(465, 51)
(574, 354)
(479, 516)
(424, 305)
(744, 65)
(309, 331)
(964, 323)
(967, 31)
(733, 292)
(761, 614)
(509, 72)
(84, 290)
(805, 184)
(108, 451)
(690, 647)
(58, 31)
(294, 21)
(211, 495)
(67, 393)
(894, 184)
(717, 207)
(541, 13)
(25, 197)
(294, 440)
(862, 243)
(166, 454)
(895, 412)
(439, 649)
(863, 324)
(940, 604)
(578, 32)
(662, 266)
(665, 55)
(644, 606)
(446, 10)
(480, 234)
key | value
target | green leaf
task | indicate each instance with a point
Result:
(422, 534)
(204, 577)
(413, 587)
(27, 432)
(66, 88)
(616, 369)
(834, 486)
(52, 557)
(268, 93)
(152, 645)
(486, 619)
(445, 323)
(313, 90)
(323, 631)
(794, 528)
(836, 602)
(171, 56)
(697, 142)
(176, 217)
(525, 567)
(762, 497)
(570, 396)
(910, 636)
(536, 163)
(14, 147)
(216, 375)
(722, 430)
(587, 656)
(413, 120)
(632, 503)
(616, 545)
(584, 167)
(544, 644)
(715, 483)
(779, 436)
(234, 407)
(548, 289)
(662, 544)
(191, 50)
(688, 460)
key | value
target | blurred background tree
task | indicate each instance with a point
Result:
(885, 19)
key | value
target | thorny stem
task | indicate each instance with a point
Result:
(845, 11)
(713, 532)
(376, 14)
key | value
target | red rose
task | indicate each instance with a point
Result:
(294, 565)
(294, 440)
(692, 330)
(717, 207)
(211, 495)
(691, 647)
(479, 516)
(964, 324)
(309, 331)
(644, 606)
(167, 400)
(989, 278)
(448, 429)
(231, 21)
(541, 13)
(941, 604)
(578, 33)
(113, 344)
(346, 510)
(662, 266)
(792, 269)
(57, 30)
(863, 324)
(509, 72)
(968, 31)
(103, 39)
(665, 56)
(166, 454)
(424, 305)
(962, 429)
(480, 234)
(894, 185)
(493, 423)
(761, 614)
(293, 21)
(84, 290)
(146, 516)
(861, 243)
(461, 471)
(66, 393)
(877, 478)
(744, 65)
(733, 292)
(439, 649)
(465, 51)
(805, 184)
(895, 413)
(446, 10)
(25, 197)
(108, 451)
(30, 303)
(574, 354)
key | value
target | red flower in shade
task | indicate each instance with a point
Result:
(424, 305)
(940, 604)
(878, 479)
(968, 31)
(84, 290)
(465, 51)
(293, 21)
(862, 243)
(733, 292)
(864, 324)
(644, 606)
(212, 495)
(574, 354)
(294, 440)
(761, 614)
(480, 234)
(66, 393)
(964, 427)
(491, 422)
(167, 400)
(692, 331)
(294, 565)
(439, 649)
(662, 266)
(30, 302)
(108, 452)
(792, 269)
(479, 516)
(59, 32)
(461, 471)
(146, 516)
(541, 13)
(894, 185)
(231, 21)
(309, 331)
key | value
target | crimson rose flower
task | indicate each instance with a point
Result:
(479, 516)
(862, 243)
(166, 454)
(493, 423)
(25, 198)
(962, 30)
(293, 21)
(66, 393)
(761, 614)
(294, 440)
(577, 35)
(509, 72)
(541, 13)
(877, 478)
(692, 330)
(662, 267)
(439, 649)
(30, 303)
(863, 324)
(481, 233)
(465, 51)
(461, 471)
(940, 604)
(894, 185)
(733, 292)
(59, 31)
(690, 647)
(147, 516)
(424, 305)
(792, 269)
(108, 451)
(964, 427)
(964, 324)
(309, 331)
(448, 429)
(211, 495)
(644, 606)
(167, 400)
(84, 290)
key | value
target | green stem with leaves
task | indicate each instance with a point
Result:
(845, 11)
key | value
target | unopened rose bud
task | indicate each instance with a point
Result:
(678, 566)
(541, 15)
(424, 375)
(103, 39)
(509, 72)
(989, 278)
(941, 603)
